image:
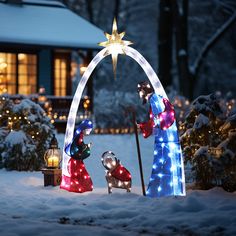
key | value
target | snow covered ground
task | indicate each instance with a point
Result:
(28, 208)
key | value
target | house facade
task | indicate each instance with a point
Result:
(37, 38)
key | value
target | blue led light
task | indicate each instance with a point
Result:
(154, 166)
(168, 171)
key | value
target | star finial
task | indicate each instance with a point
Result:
(115, 45)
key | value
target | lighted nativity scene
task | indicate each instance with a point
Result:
(133, 138)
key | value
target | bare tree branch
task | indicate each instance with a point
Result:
(210, 43)
(227, 7)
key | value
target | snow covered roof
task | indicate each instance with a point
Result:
(46, 23)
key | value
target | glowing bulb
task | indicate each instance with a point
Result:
(154, 166)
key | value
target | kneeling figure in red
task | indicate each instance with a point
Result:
(79, 180)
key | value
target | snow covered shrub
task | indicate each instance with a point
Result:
(109, 108)
(181, 105)
(25, 133)
(209, 143)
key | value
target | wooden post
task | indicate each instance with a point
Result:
(52, 177)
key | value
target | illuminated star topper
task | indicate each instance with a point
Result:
(115, 45)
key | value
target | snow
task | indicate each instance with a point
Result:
(16, 137)
(200, 121)
(182, 53)
(48, 25)
(28, 208)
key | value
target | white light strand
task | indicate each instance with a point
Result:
(147, 69)
(74, 107)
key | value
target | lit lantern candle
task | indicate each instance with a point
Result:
(52, 156)
(53, 162)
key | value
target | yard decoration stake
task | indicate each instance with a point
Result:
(114, 46)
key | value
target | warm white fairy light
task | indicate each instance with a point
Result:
(147, 69)
(115, 44)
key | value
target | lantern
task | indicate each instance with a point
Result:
(52, 156)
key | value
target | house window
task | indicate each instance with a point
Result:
(27, 73)
(18, 73)
(62, 81)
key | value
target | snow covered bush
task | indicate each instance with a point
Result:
(25, 133)
(181, 105)
(209, 143)
(109, 108)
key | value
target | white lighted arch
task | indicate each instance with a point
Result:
(77, 97)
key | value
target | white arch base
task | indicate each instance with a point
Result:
(77, 97)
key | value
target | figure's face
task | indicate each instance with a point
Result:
(141, 93)
(87, 131)
(110, 162)
(143, 96)
(145, 91)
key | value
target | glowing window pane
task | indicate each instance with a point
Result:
(60, 76)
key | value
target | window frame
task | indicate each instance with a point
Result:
(67, 57)
(16, 53)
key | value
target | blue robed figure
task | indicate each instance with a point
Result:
(167, 177)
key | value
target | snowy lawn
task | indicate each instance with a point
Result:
(28, 208)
